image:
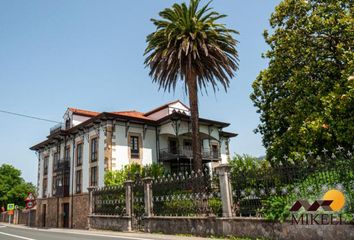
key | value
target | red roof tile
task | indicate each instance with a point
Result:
(84, 112)
(133, 114)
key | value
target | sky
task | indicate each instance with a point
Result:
(89, 54)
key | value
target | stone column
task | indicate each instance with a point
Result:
(16, 215)
(91, 205)
(223, 172)
(148, 196)
(108, 147)
(129, 202)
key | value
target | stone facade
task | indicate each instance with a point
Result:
(54, 212)
(80, 211)
(47, 212)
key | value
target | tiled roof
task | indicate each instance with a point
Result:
(84, 112)
(133, 114)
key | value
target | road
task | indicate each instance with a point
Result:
(10, 232)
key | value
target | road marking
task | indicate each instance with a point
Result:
(2, 226)
(16, 236)
(97, 235)
(77, 233)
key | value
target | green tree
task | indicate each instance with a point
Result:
(13, 188)
(305, 97)
(190, 45)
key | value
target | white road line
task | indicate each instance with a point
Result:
(2, 226)
(97, 235)
(82, 234)
(16, 236)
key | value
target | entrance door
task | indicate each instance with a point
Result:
(66, 215)
(44, 215)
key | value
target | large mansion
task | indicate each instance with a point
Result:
(77, 154)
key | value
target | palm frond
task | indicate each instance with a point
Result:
(189, 39)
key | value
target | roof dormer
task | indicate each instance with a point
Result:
(167, 109)
(74, 116)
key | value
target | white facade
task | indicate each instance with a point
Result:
(156, 135)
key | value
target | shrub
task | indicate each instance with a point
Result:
(131, 171)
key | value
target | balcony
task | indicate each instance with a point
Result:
(168, 154)
(62, 191)
(62, 166)
(57, 128)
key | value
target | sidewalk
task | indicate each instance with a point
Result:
(109, 233)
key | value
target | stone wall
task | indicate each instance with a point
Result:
(79, 206)
(4, 217)
(246, 227)
(80, 211)
(51, 215)
(114, 223)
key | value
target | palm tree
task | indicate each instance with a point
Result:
(189, 45)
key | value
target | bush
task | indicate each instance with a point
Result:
(276, 208)
(118, 177)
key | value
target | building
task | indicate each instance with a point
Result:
(77, 153)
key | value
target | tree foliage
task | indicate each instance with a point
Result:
(118, 177)
(189, 44)
(188, 39)
(306, 95)
(13, 188)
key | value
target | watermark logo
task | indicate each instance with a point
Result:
(332, 201)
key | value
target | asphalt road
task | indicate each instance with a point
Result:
(20, 233)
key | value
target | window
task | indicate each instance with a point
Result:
(56, 160)
(134, 147)
(45, 166)
(93, 180)
(94, 149)
(54, 185)
(215, 151)
(187, 145)
(79, 152)
(78, 181)
(45, 186)
(67, 123)
(172, 145)
(67, 154)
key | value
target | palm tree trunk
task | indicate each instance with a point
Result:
(193, 102)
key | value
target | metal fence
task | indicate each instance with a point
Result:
(138, 207)
(186, 194)
(109, 201)
(258, 188)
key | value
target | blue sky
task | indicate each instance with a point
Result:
(89, 54)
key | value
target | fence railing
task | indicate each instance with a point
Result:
(284, 182)
(186, 194)
(259, 190)
(109, 201)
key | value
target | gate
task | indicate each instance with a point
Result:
(138, 205)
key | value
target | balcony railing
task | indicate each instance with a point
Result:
(186, 152)
(62, 191)
(57, 128)
(62, 165)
